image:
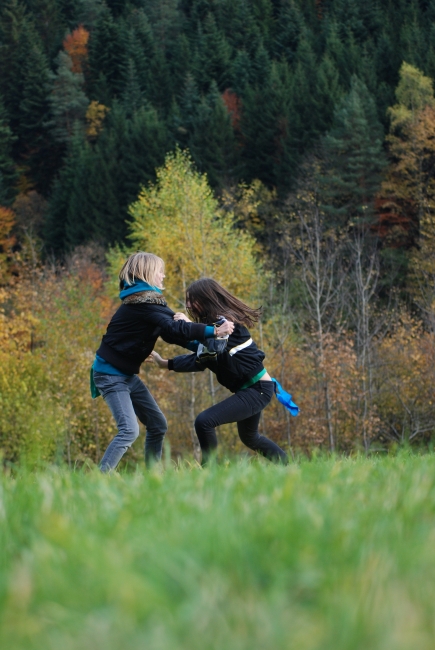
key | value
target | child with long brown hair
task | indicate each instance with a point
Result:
(238, 366)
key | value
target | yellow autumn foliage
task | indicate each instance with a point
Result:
(179, 219)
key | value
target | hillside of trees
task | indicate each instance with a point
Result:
(300, 135)
(94, 93)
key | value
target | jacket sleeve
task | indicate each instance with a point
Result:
(172, 331)
(177, 340)
(186, 363)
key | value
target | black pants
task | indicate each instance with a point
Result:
(244, 408)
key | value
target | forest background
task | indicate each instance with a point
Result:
(285, 147)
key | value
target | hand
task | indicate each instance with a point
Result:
(157, 359)
(180, 316)
(225, 329)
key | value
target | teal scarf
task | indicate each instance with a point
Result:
(140, 285)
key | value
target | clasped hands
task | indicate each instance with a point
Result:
(225, 329)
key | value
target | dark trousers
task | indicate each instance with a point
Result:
(244, 407)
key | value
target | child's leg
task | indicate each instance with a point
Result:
(148, 412)
(239, 407)
(116, 393)
(248, 432)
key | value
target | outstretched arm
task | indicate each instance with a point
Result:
(176, 329)
(182, 363)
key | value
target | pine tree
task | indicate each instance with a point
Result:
(8, 174)
(108, 61)
(86, 12)
(235, 19)
(141, 151)
(267, 130)
(260, 67)
(73, 170)
(262, 12)
(141, 49)
(51, 24)
(211, 62)
(107, 177)
(70, 11)
(289, 28)
(67, 99)
(94, 210)
(353, 160)
(161, 92)
(116, 6)
(132, 97)
(315, 88)
(212, 143)
(179, 62)
(38, 156)
(241, 72)
(185, 114)
(16, 37)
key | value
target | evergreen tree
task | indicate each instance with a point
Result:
(17, 36)
(8, 174)
(74, 170)
(67, 99)
(141, 49)
(180, 62)
(241, 72)
(185, 115)
(94, 210)
(132, 96)
(262, 12)
(260, 67)
(160, 93)
(212, 144)
(69, 10)
(267, 130)
(353, 159)
(315, 88)
(212, 56)
(342, 49)
(106, 178)
(36, 146)
(86, 12)
(141, 150)
(235, 19)
(289, 28)
(108, 60)
(116, 6)
(51, 24)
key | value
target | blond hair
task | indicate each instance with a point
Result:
(140, 266)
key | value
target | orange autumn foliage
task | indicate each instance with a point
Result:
(7, 240)
(7, 222)
(233, 105)
(76, 45)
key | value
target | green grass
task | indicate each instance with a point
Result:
(329, 554)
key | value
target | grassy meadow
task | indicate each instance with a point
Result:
(326, 554)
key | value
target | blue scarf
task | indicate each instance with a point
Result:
(137, 286)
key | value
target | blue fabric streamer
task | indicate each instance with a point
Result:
(285, 398)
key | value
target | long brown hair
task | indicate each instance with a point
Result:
(208, 300)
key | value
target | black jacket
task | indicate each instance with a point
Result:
(134, 330)
(232, 367)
